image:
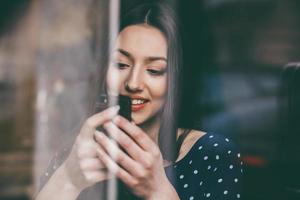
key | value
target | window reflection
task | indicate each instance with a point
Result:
(234, 57)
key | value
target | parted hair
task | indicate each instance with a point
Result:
(161, 16)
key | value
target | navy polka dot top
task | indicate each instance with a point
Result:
(212, 169)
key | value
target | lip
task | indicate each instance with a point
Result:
(135, 108)
(138, 97)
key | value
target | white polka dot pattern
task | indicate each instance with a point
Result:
(215, 167)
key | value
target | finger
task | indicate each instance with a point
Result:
(87, 150)
(96, 176)
(115, 169)
(117, 154)
(91, 164)
(128, 144)
(99, 118)
(134, 132)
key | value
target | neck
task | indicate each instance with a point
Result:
(151, 127)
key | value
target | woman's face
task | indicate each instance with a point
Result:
(139, 70)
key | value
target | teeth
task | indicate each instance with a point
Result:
(137, 101)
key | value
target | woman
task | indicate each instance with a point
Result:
(146, 62)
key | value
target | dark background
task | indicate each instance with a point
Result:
(234, 57)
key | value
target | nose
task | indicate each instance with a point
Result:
(134, 82)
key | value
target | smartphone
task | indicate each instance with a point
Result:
(104, 101)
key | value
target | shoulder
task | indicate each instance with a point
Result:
(218, 144)
(215, 147)
(208, 145)
(190, 140)
(219, 154)
(211, 168)
(221, 161)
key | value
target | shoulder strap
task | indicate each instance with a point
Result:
(181, 138)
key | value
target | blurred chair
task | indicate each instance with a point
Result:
(290, 118)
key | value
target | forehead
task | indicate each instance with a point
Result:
(142, 40)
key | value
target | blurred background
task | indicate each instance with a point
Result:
(240, 57)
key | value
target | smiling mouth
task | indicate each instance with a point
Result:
(138, 104)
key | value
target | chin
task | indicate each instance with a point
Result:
(138, 120)
(141, 119)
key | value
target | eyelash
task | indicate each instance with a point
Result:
(122, 66)
(156, 72)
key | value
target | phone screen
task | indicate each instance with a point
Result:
(104, 101)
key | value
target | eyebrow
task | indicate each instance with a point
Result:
(150, 58)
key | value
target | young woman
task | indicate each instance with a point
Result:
(142, 153)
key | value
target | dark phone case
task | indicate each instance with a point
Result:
(104, 101)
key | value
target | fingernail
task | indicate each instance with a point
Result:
(113, 109)
(116, 108)
(106, 125)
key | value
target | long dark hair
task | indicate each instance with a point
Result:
(162, 17)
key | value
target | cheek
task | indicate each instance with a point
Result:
(159, 88)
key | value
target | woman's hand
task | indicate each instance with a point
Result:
(83, 167)
(138, 162)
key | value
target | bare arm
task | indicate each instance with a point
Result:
(59, 187)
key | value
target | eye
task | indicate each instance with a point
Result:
(121, 66)
(156, 72)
